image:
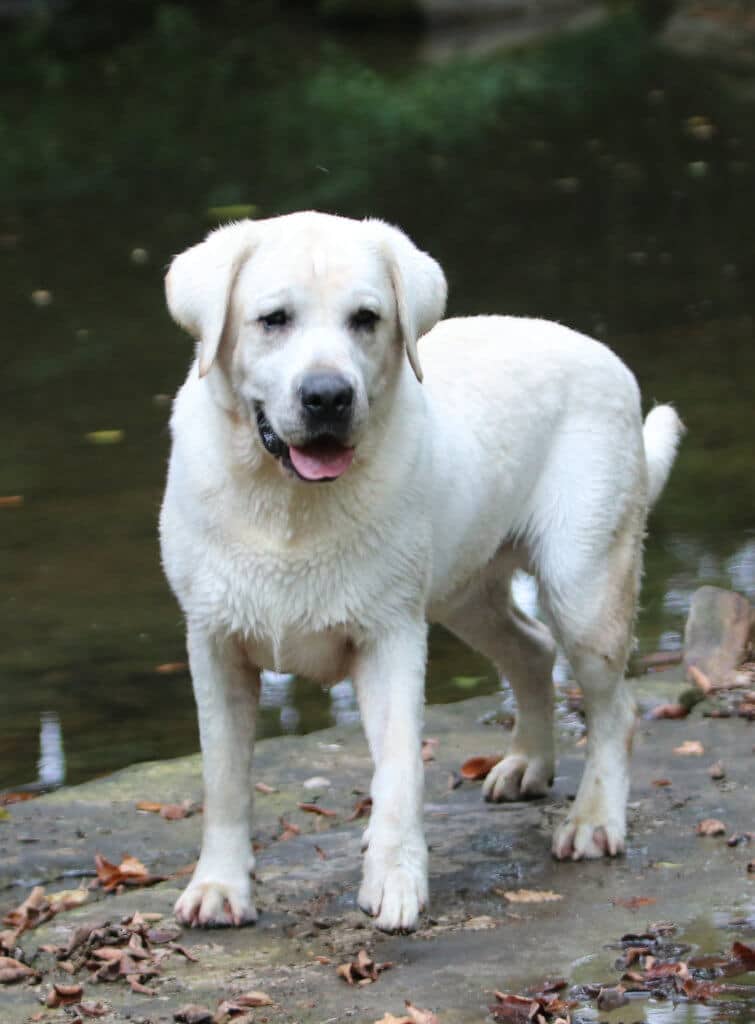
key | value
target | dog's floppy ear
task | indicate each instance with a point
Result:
(200, 281)
(419, 285)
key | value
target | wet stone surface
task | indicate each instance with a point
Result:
(474, 940)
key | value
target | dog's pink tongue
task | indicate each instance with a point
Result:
(321, 461)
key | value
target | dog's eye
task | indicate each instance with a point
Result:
(278, 318)
(363, 320)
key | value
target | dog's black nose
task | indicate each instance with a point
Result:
(327, 396)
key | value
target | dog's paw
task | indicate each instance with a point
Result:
(578, 839)
(518, 777)
(394, 889)
(216, 904)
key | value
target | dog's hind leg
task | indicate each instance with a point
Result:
(523, 650)
(590, 599)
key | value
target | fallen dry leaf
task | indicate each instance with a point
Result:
(316, 809)
(512, 1009)
(531, 896)
(634, 902)
(661, 782)
(476, 768)
(250, 999)
(171, 812)
(98, 1009)
(388, 1018)
(480, 924)
(34, 910)
(321, 853)
(288, 830)
(262, 787)
(63, 995)
(717, 771)
(193, 1014)
(710, 827)
(420, 1016)
(130, 872)
(12, 970)
(6, 799)
(741, 951)
(669, 711)
(363, 970)
(171, 668)
(362, 808)
(689, 748)
(11, 500)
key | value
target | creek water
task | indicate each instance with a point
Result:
(594, 180)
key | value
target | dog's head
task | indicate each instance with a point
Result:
(309, 317)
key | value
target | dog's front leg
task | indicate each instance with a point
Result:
(390, 681)
(226, 688)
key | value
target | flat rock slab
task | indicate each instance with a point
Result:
(474, 940)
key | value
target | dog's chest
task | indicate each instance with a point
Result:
(301, 608)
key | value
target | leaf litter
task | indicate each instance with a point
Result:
(363, 970)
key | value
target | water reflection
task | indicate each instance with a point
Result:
(51, 766)
(514, 170)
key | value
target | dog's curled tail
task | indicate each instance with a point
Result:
(661, 434)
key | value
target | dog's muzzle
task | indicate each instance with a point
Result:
(322, 458)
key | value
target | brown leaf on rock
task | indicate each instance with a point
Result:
(710, 827)
(12, 970)
(513, 1009)
(193, 1014)
(130, 872)
(420, 1016)
(262, 787)
(98, 1009)
(11, 500)
(661, 783)
(476, 768)
(251, 999)
(744, 953)
(34, 910)
(137, 986)
(288, 830)
(362, 808)
(363, 970)
(171, 812)
(717, 771)
(531, 896)
(63, 995)
(690, 748)
(389, 1018)
(6, 799)
(669, 711)
(316, 809)
(633, 902)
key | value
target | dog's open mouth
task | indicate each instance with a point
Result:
(324, 458)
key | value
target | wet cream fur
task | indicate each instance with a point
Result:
(522, 447)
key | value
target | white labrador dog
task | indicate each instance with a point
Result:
(333, 488)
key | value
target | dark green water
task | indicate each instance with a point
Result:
(590, 179)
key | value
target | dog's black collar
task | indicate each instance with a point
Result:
(274, 444)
